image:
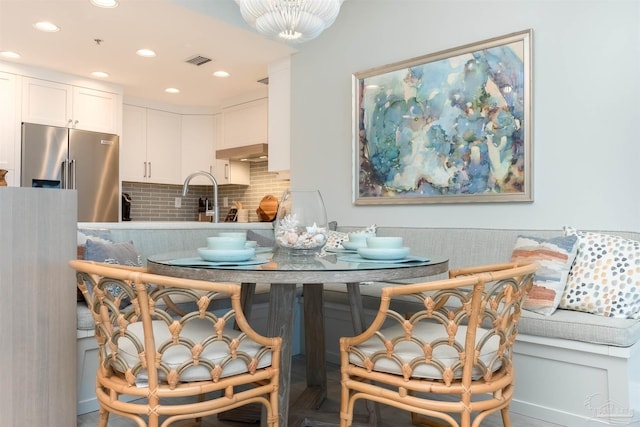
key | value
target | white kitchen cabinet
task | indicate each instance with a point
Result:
(9, 127)
(96, 110)
(232, 172)
(227, 171)
(279, 115)
(150, 147)
(56, 104)
(164, 151)
(245, 124)
(198, 146)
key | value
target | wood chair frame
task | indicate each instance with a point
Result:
(162, 390)
(476, 309)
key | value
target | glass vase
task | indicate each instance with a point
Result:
(301, 222)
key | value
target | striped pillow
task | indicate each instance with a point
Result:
(555, 257)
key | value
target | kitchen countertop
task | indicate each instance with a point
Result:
(178, 225)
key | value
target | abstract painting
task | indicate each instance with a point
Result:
(449, 127)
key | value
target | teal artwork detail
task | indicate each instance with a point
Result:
(453, 126)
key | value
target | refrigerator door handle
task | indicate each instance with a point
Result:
(72, 175)
(63, 174)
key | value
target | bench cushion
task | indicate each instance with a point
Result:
(579, 326)
(84, 319)
(565, 324)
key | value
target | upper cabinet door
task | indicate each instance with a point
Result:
(47, 103)
(245, 124)
(57, 104)
(95, 110)
(198, 146)
(133, 144)
(164, 134)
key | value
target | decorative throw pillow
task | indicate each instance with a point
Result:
(97, 234)
(605, 277)
(335, 238)
(123, 253)
(554, 257)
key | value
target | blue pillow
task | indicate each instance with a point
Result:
(123, 253)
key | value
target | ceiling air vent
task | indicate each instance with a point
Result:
(198, 60)
(264, 81)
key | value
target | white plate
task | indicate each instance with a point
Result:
(226, 255)
(358, 259)
(353, 246)
(263, 249)
(340, 250)
(199, 262)
(383, 253)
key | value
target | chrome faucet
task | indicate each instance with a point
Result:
(185, 190)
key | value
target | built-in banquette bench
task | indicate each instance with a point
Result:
(573, 368)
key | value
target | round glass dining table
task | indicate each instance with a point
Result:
(283, 272)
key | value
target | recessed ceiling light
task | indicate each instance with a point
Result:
(47, 27)
(101, 74)
(9, 54)
(172, 90)
(105, 3)
(221, 73)
(147, 53)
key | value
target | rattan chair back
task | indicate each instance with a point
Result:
(156, 365)
(451, 359)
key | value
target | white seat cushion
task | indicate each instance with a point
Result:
(196, 331)
(408, 351)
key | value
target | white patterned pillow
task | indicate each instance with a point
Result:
(605, 277)
(335, 238)
(554, 257)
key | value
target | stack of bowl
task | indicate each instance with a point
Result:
(357, 240)
(228, 247)
(383, 248)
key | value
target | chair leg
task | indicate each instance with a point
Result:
(506, 417)
(103, 420)
(418, 419)
(346, 416)
(201, 397)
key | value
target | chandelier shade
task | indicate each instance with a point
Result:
(294, 21)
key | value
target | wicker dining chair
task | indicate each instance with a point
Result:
(156, 366)
(449, 362)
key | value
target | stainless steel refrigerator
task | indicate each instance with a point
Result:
(56, 157)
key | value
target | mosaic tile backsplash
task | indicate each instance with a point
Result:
(156, 202)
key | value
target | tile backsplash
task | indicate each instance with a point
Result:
(156, 202)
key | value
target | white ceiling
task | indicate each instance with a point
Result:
(176, 29)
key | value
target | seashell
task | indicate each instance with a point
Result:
(292, 237)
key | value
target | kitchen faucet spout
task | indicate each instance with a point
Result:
(185, 190)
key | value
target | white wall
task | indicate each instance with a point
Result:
(586, 81)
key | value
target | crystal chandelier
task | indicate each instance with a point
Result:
(292, 20)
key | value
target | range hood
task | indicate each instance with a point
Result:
(254, 152)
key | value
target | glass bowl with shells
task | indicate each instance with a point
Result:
(301, 223)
